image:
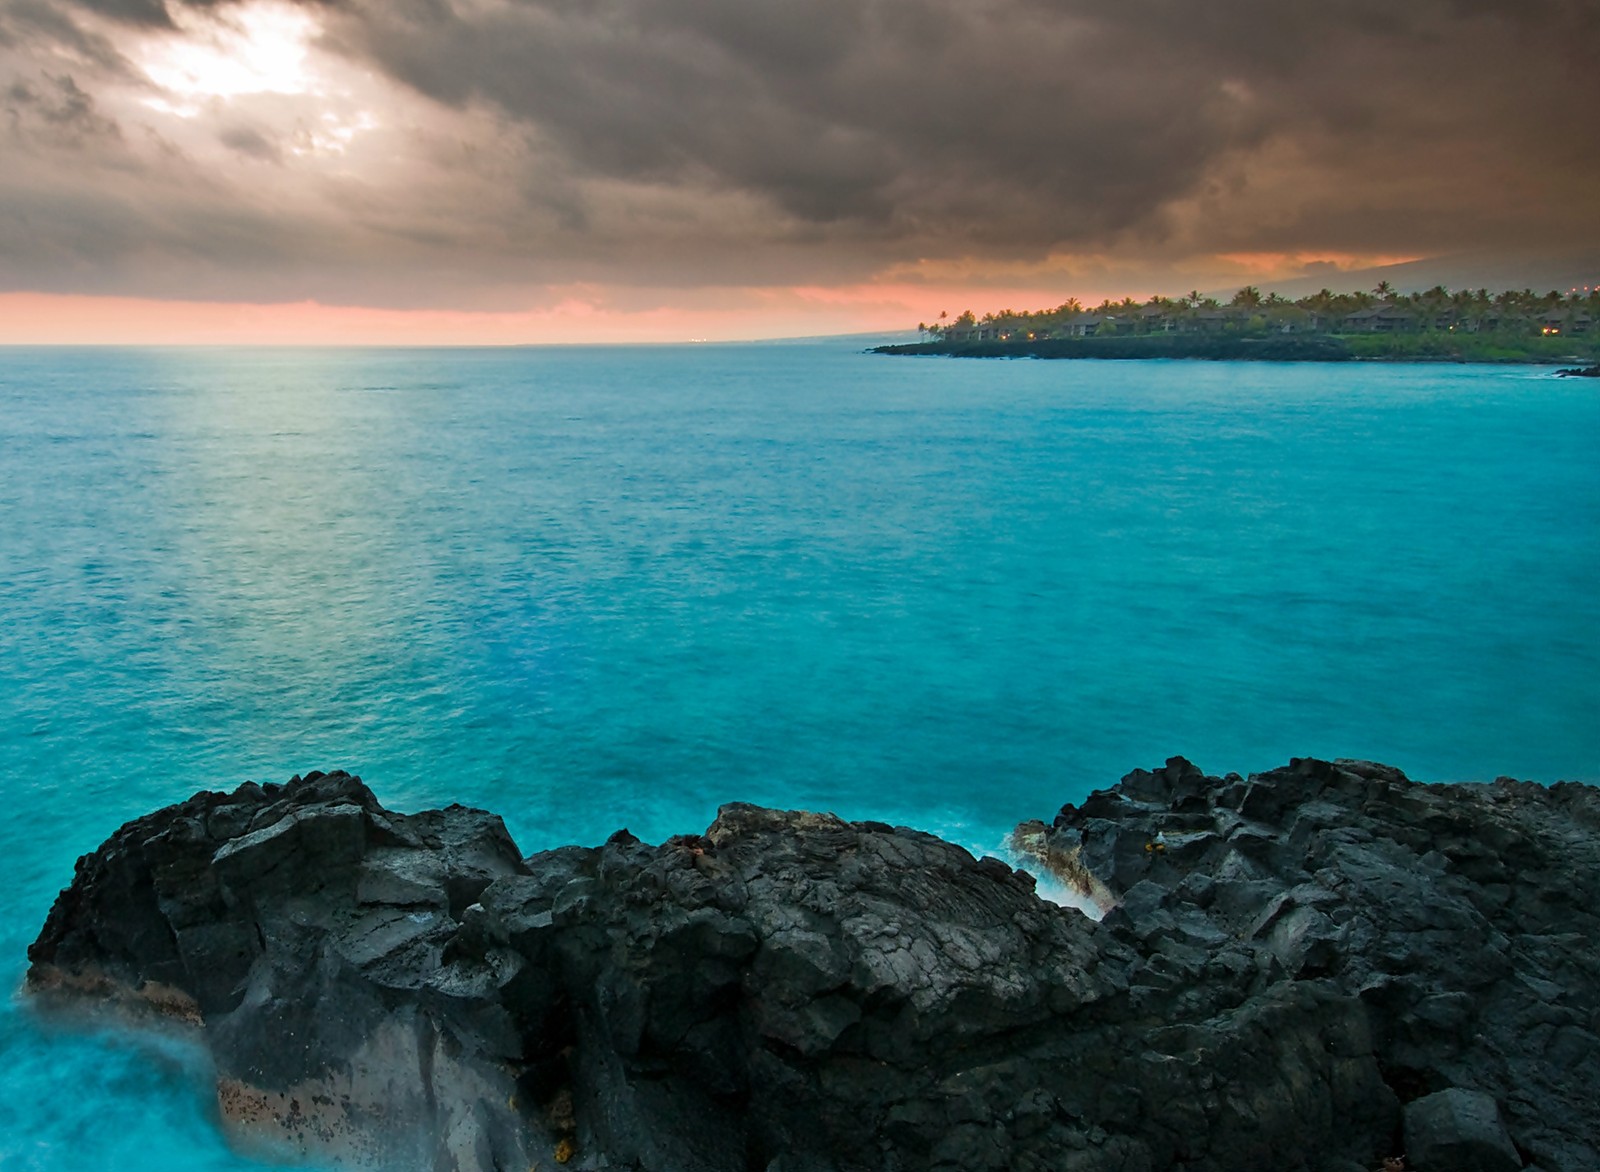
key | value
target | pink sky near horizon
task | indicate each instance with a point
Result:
(578, 318)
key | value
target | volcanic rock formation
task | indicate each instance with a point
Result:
(1309, 969)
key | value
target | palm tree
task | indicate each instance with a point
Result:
(1383, 291)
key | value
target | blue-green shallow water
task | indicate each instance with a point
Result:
(602, 587)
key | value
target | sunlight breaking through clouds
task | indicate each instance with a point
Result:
(258, 48)
(476, 155)
(259, 57)
(333, 134)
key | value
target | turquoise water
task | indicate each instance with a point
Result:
(591, 588)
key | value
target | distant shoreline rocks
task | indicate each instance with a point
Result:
(1214, 348)
(1252, 348)
(1318, 967)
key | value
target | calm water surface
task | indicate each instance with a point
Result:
(594, 588)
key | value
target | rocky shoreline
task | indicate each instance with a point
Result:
(1442, 348)
(1319, 967)
(1216, 348)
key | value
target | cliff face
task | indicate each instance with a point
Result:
(1309, 969)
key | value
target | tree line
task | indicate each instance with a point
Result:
(1380, 309)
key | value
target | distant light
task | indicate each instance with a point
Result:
(258, 48)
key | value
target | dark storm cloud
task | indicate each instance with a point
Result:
(247, 140)
(155, 14)
(1010, 122)
(152, 13)
(910, 117)
(56, 108)
(832, 138)
(28, 22)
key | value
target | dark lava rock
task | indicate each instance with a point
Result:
(1458, 1131)
(1284, 965)
(1457, 928)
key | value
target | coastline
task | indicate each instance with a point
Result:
(1270, 348)
(1315, 966)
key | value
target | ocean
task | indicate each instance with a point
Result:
(590, 588)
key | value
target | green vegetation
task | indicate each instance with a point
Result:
(1498, 346)
(1438, 325)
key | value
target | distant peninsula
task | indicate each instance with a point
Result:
(1382, 325)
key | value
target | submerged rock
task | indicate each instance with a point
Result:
(1297, 971)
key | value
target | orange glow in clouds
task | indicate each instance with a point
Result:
(1283, 265)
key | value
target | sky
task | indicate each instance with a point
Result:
(504, 171)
